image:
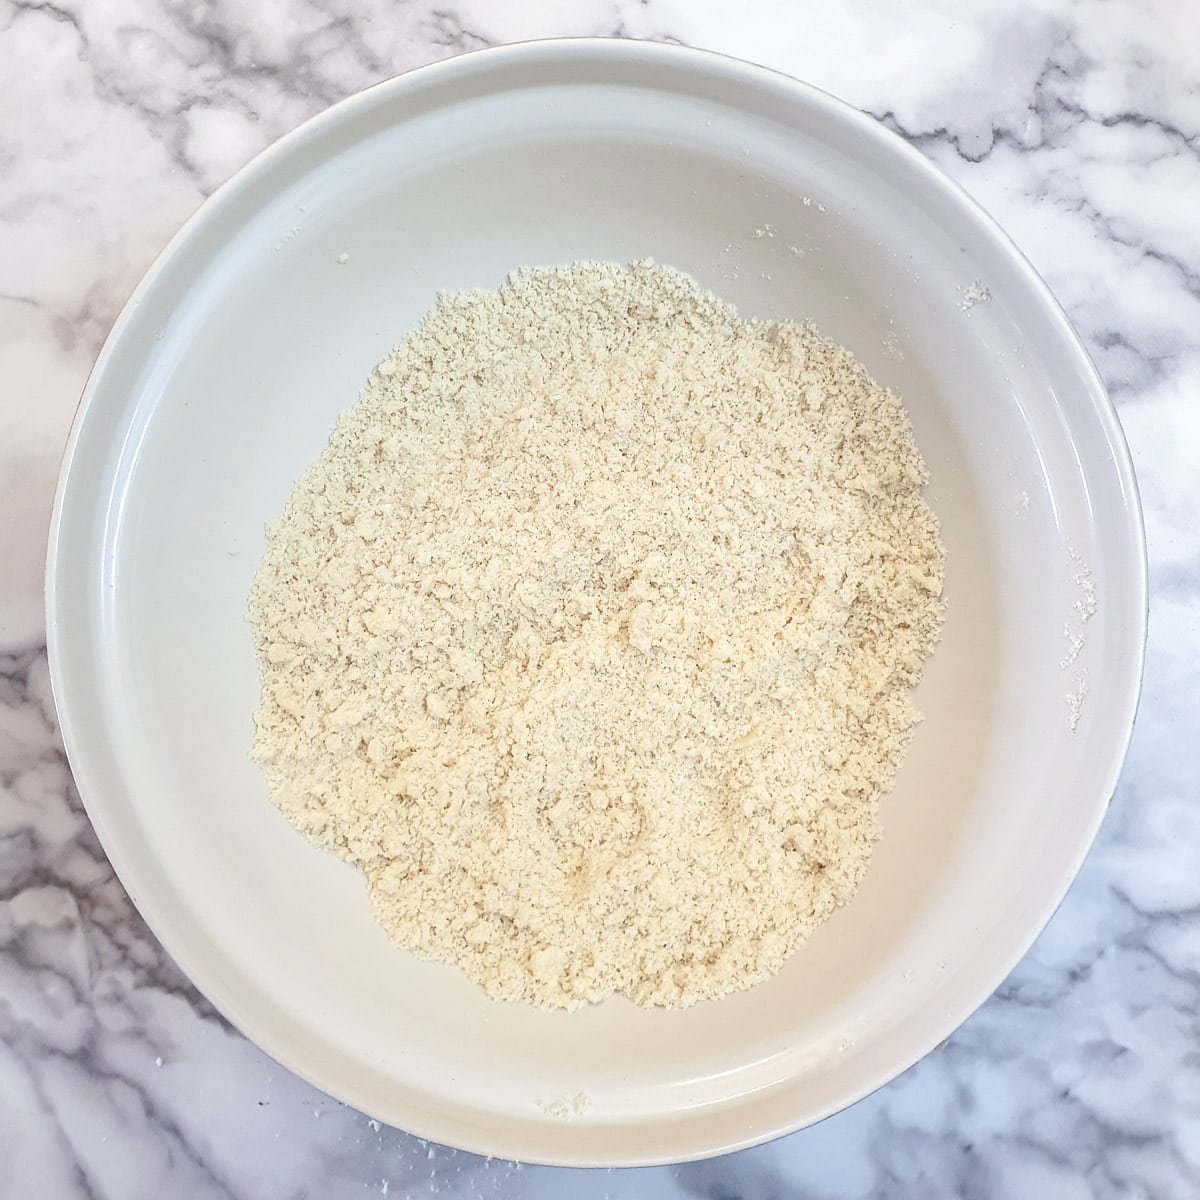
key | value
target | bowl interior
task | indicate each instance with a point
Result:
(258, 327)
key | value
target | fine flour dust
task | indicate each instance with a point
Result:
(589, 637)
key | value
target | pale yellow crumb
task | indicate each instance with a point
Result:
(589, 636)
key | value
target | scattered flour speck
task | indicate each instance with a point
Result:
(1075, 699)
(972, 295)
(1074, 646)
(892, 346)
(565, 1110)
(1083, 608)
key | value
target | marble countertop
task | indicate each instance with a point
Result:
(1077, 123)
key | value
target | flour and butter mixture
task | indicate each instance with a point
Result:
(589, 637)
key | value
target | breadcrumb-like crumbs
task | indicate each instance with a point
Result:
(589, 637)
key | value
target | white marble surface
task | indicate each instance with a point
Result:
(1077, 122)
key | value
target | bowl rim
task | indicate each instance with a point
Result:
(647, 54)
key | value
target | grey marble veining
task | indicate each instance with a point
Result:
(1077, 124)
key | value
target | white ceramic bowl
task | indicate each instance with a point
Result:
(221, 381)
